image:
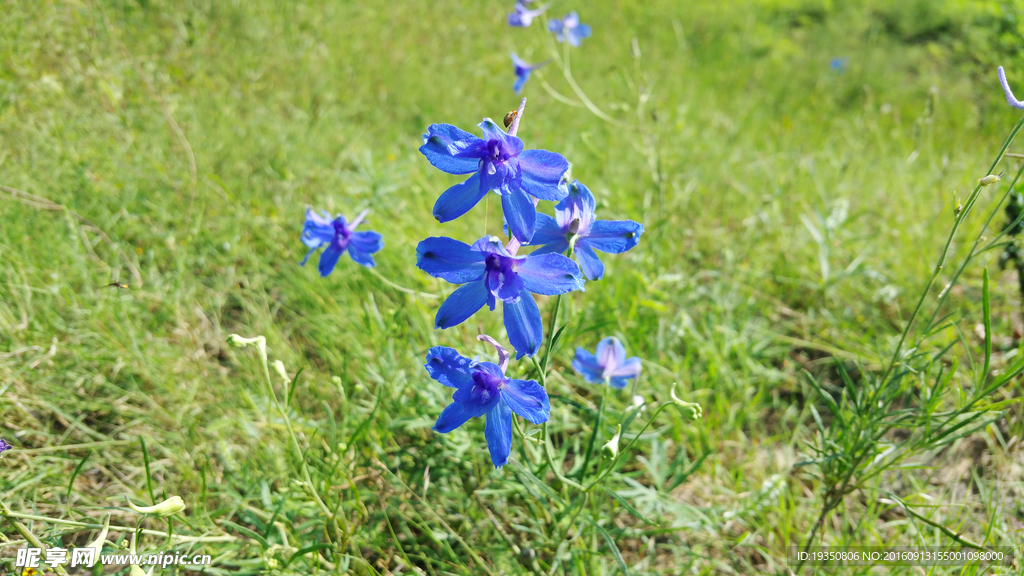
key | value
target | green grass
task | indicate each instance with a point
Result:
(749, 141)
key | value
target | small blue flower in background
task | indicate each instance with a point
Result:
(488, 274)
(523, 71)
(574, 225)
(569, 29)
(482, 388)
(4, 446)
(339, 236)
(522, 17)
(839, 64)
(609, 365)
(497, 162)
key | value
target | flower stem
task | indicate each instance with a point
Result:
(593, 435)
(25, 532)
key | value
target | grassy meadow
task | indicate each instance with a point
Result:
(797, 165)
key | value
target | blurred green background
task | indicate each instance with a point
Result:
(793, 210)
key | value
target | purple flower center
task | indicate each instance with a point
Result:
(486, 386)
(342, 234)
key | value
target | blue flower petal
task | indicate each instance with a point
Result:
(582, 31)
(550, 274)
(506, 285)
(550, 238)
(520, 214)
(462, 304)
(586, 364)
(449, 260)
(614, 236)
(453, 416)
(579, 204)
(317, 230)
(448, 367)
(555, 26)
(523, 325)
(572, 38)
(628, 369)
(520, 82)
(590, 264)
(475, 149)
(362, 245)
(504, 179)
(542, 174)
(459, 199)
(435, 148)
(329, 258)
(618, 382)
(528, 399)
(498, 433)
(511, 144)
(308, 254)
(611, 354)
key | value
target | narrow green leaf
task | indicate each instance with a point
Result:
(71, 482)
(149, 477)
(303, 551)
(629, 507)
(987, 317)
(239, 528)
(614, 548)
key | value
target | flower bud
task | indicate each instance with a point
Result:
(168, 507)
(697, 410)
(279, 368)
(611, 449)
(97, 544)
(639, 402)
(990, 179)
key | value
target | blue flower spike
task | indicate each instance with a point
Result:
(569, 29)
(522, 17)
(522, 70)
(4, 446)
(574, 225)
(339, 237)
(482, 388)
(497, 162)
(1009, 93)
(488, 273)
(608, 365)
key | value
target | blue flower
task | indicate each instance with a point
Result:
(497, 162)
(523, 71)
(574, 225)
(609, 365)
(569, 29)
(4, 445)
(522, 16)
(488, 274)
(839, 64)
(339, 237)
(482, 388)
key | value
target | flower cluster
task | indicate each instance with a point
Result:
(566, 29)
(489, 271)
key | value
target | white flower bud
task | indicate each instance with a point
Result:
(639, 402)
(611, 449)
(697, 410)
(168, 507)
(97, 544)
(279, 368)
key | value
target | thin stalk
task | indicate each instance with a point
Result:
(594, 433)
(945, 250)
(92, 526)
(26, 533)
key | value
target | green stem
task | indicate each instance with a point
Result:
(625, 450)
(26, 533)
(945, 250)
(594, 433)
